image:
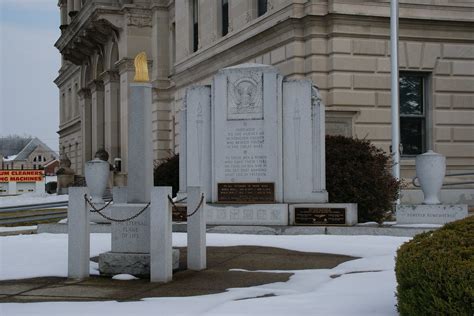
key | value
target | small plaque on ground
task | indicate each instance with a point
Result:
(259, 192)
(320, 216)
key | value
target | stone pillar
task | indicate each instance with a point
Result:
(161, 251)
(184, 29)
(77, 5)
(70, 8)
(140, 145)
(112, 114)
(127, 72)
(78, 234)
(85, 104)
(63, 13)
(196, 230)
(97, 93)
(182, 154)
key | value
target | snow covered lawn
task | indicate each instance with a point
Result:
(31, 198)
(364, 286)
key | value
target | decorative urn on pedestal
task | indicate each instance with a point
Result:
(97, 176)
(430, 171)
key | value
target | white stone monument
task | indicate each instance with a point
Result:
(430, 171)
(131, 238)
(255, 144)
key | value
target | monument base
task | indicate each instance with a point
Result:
(246, 214)
(430, 214)
(137, 264)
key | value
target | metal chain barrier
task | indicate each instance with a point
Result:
(193, 212)
(98, 211)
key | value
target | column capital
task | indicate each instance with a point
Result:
(84, 93)
(96, 85)
(109, 76)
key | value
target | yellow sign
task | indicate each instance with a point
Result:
(21, 175)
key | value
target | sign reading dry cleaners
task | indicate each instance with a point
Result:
(21, 175)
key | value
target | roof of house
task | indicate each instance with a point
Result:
(24, 152)
(12, 145)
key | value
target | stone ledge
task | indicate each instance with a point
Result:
(430, 214)
(138, 264)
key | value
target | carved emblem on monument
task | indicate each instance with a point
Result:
(245, 98)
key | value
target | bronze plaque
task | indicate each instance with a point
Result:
(320, 216)
(259, 192)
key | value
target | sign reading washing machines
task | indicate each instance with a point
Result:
(21, 181)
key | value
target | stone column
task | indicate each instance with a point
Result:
(140, 146)
(77, 5)
(97, 93)
(63, 13)
(184, 29)
(127, 72)
(70, 8)
(85, 104)
(182, 154)
(112, 113)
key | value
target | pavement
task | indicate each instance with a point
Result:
(215, 279)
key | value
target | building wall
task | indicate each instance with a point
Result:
(342, 45)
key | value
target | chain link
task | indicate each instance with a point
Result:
(193, 212)
(98, 211)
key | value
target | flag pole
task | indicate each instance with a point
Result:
(395, 90)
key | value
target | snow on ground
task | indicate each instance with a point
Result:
(31, 198)
(370, 291)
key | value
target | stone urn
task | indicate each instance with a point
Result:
(97, 176)
(430, 171)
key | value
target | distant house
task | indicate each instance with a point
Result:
(24, 163)
(25, 153)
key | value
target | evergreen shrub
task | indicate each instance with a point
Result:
(167, 173)
(435, 271)
(358, 172)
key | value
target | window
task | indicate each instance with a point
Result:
(412, 113)
(195, 25)
(225, 17)
(262, 7)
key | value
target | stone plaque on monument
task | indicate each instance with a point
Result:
(320, 216)
(131, 236)
(261, 192)
(247, 132)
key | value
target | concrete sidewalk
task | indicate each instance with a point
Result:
(217, 278)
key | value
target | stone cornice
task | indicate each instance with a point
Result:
(69, 127)
(89, 29)
(65, 74)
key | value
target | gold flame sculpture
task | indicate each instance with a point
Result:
(141, 68)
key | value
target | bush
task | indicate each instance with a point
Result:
(435, 271)
(167, 173)
(358, 172)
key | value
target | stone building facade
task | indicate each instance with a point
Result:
(343, 46)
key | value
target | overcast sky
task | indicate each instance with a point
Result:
(28, 65)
